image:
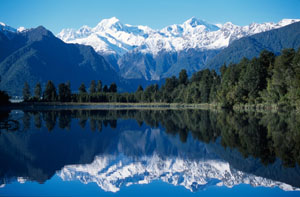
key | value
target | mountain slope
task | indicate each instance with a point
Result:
(36, 55)
(165, 64)
(249, 47)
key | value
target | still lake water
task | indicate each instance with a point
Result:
(148, 152)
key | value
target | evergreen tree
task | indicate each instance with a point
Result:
(223, 69)
(82, 89)
(69, 91)
(205, 86)
(99, 86)
(38, 91)
(50, 92)
(149, 93)
(139, 93)
(105, 89)
(168, 87)
(140, 89)
(266, 61)
(294, 89)
(171, 84)
(26, 92)
(283, 75)
(61, 92)
(93, 87)
(113, 88)
(64, 92)
(183, 77)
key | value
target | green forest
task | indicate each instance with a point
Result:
(267, 79)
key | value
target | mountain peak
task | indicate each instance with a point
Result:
(194, 22)
(38, 33)
(21, 29)
(112, 20)
(110, 23)
(286, 21)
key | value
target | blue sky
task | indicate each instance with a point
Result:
(58, 14)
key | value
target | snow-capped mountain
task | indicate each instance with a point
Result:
(111, 173)
(111, 36)
(4, 27)
(10, 31)
(139, 52)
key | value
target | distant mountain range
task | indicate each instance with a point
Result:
(111, 36)
(132, 55)
(139, 52)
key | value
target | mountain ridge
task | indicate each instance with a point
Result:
(148, 56)
(139, 52)
(36, 55)
(112, 36)
(274, 41)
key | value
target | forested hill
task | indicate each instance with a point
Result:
(249, 47)
(36, 55)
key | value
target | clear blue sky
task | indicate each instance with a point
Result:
(58, 14)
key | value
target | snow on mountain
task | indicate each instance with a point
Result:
(111, 36)
(113, 172)
(4, 27)
(21, 29)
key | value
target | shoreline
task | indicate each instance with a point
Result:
(260, 108)
(106, 106)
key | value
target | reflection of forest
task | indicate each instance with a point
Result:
(36, 154)
(264, 136)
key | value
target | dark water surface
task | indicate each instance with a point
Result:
(145, 153)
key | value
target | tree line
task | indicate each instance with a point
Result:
(264, 79)
(96, 92)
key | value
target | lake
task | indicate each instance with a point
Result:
(93, 152)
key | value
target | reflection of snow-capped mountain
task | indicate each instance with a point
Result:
(111, 36)
(113, 172)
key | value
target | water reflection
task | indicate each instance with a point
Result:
(192, 148)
